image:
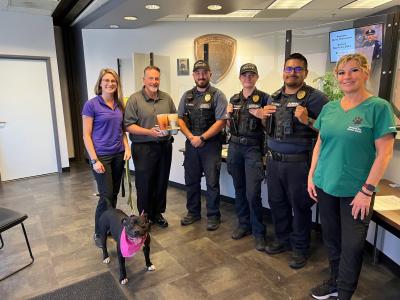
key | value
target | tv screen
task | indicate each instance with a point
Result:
(366, 40)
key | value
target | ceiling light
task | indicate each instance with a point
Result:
(288, 4)
(113, 26)
(152, 6)
(130, 18)
(366, 3)
(243, 13)
(214, 7)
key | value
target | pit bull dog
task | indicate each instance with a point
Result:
(130, 233)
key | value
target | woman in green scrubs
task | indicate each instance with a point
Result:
(353, 149)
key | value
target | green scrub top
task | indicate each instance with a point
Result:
(348, 144)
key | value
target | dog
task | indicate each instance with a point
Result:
(130, 233)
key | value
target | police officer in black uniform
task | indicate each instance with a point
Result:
(244, 159)
(292, 110)
(372, 41)
(202, 116)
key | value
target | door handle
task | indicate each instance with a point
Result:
(2, 124)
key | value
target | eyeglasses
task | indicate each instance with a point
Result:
(291, 69)
(109, 81)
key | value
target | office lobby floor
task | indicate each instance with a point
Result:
(191, 262)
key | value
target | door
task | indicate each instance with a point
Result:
(27, 140)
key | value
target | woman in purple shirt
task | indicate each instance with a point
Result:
(105, 140)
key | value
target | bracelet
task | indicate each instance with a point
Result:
(365, 193)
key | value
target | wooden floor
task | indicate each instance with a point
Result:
(191, 262)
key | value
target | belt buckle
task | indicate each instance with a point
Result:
(243, 140)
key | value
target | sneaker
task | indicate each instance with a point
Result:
(97, 240)
(260, 243)
(298, 261)
(240, 232)
(325, 290)
(189, 219)
(276, 247)
(213, 223)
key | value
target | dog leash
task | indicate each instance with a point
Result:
(127, 176)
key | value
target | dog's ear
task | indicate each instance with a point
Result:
(124, 221)
(146, 216)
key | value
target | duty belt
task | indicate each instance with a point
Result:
(288, 157)
(244, 140)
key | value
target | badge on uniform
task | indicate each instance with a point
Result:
(207, 97)
(301, 94)
(256, 98)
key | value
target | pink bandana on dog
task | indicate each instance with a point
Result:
(130, 247)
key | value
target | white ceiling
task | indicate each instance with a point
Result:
(38, 7)
(102, 13)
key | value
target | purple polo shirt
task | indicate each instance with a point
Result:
(107, 126)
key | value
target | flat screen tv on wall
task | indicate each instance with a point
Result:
(367, 40)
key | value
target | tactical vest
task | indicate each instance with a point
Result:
(243, 123)
(199, 110)
(283, 124)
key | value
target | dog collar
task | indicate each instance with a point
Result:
(129, 247)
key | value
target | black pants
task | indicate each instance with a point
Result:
(290, 203)
(344, 238)
(108, 183)
(152, 162)
(206, 159)
(246, 168)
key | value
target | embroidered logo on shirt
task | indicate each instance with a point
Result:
(357, 121)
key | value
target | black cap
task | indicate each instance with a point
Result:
(370, 32)
(201, 64)
(248, 68)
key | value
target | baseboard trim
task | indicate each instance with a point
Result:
(66, 169)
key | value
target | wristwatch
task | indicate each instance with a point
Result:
(369, 187)
(202, 138)
(93, 161)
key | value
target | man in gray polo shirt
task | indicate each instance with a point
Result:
(151, 148)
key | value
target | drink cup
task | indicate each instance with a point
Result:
(162, 120)
(173, 120)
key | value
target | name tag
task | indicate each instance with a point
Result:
(205, 106)
(253, 106)
(292, 104)
(237, 107)
(190, 104)
(275, 103)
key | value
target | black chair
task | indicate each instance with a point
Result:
(8, 219)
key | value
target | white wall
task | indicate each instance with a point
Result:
(257, 42)
(24, 34)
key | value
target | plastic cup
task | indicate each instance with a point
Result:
(173, 120)
(162, 120)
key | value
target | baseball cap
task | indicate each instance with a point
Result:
(248, 68)
(201, 64)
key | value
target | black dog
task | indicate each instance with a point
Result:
(130, 233)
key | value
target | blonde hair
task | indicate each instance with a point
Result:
(118, 93)
(360, 59)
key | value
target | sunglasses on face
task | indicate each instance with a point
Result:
(297, 69)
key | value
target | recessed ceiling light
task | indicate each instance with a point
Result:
(113, 26)
(288, 4)
(130, 18)
(214, 7)
(152, 6)
(366, 3)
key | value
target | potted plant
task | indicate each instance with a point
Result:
(328, 84)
